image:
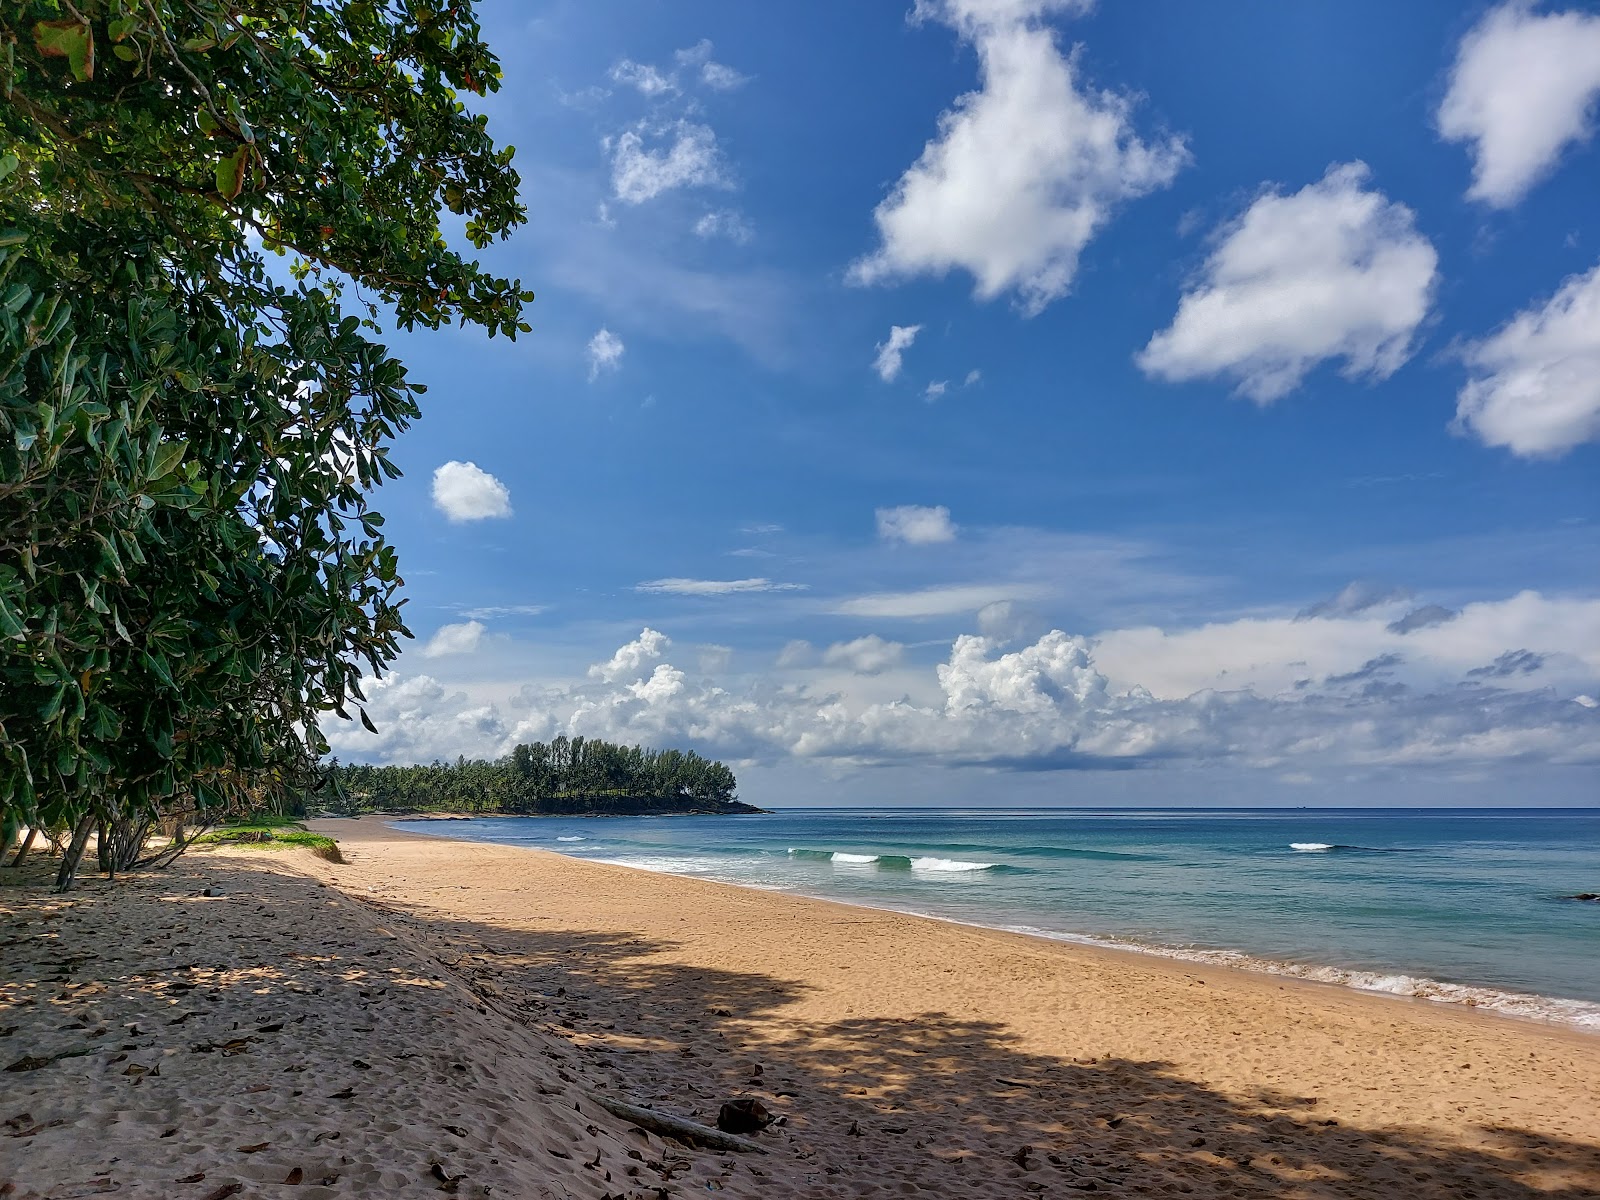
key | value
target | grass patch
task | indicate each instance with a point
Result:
(273, 833)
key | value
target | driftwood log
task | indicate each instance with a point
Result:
(677, 1127)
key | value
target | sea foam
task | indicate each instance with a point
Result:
(892, 862)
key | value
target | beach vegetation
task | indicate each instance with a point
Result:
(565, 776)
(209, 211)
(271, 833)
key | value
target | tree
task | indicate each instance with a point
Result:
(191, 576)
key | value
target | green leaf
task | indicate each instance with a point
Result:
(8, 163)
(71, 40)
(51, 708)
(230, 173)
(167, 459)
(121, 28)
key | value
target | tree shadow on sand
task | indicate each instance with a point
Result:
(945, 1104)
(935, 1103)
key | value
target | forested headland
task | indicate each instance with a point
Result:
(569, 776)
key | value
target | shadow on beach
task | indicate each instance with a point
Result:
(948, 1105)
(931, 1104)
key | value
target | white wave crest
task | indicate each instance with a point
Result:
(839, 856)
(948, 864)
(572, 839)
(1309, 847)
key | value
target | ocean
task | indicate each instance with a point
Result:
(1460, 906)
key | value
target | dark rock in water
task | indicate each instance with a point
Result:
(743, 1114)
(1584, 896)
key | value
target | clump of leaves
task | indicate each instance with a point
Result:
(191, 575)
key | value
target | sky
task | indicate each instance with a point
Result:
(1023, 402)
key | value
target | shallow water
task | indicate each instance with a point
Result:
(1457, 905)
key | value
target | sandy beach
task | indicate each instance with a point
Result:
(434, 1015)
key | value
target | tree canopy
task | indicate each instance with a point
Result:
(206, 209)
(567, 775)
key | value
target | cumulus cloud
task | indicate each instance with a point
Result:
(629, 660)
(454, 639)
(685, 155)
(890, 352)
(935, 389)
(1536, 381)
(714, 587)
(973, 376)
(1023, 172)
(463, 491)
(724, 223)
(865, 655)
(648, 80)
(1334, 692)
(1522, 90)
(915, 524)
(1334, 271)
(605, 352)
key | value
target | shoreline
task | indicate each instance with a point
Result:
(435, 1014)
(1559, 1012)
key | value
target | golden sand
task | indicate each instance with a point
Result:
(436, 1016)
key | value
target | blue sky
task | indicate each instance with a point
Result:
(1028, 401)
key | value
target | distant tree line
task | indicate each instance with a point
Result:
(568, 775)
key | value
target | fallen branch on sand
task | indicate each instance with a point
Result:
(677, 1127)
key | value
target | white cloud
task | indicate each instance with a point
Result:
(1536, 381)
(865, 655)
(489, 612)
(454, 639)
(1507, 681)
(1334, 271)
(915, 524)
(715, 587)
(629, 660)
(717, 76)
(1522, 90)
(714, 659)
(935, 389)
(724, 223)
(463, 491)
(647, 79)
(795, 653)
(973, 376)
(887, 363)
(721, 77)
(1023, 172)
(688, 157)
(605, 352)
(936, 601)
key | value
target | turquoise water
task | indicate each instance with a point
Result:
(1455, 905)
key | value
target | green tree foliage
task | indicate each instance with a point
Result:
(569, 775)
(190, 573)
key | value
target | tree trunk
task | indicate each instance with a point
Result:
(27, 844)
(74, 854)
(102, 847)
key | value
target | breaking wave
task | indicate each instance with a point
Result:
(572, 839)
(1329, 848)
(893, 862)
